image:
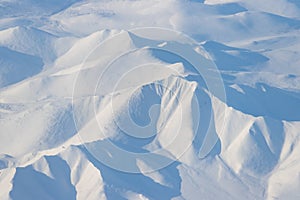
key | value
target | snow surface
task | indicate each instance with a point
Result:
(96, 104)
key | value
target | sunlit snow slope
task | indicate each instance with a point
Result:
(67, 90)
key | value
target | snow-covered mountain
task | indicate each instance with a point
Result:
(111, 99)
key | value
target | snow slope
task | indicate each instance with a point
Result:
(93, 105)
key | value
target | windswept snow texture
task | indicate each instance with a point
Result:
(65, 100)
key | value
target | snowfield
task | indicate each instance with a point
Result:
(137, 99)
